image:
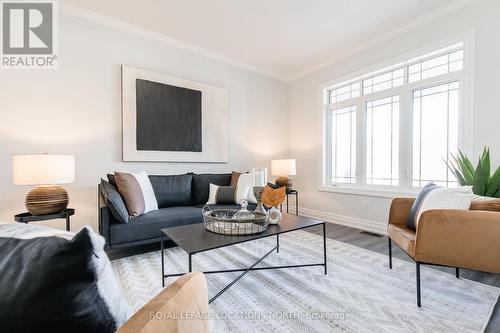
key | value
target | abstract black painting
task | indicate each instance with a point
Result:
(168, 118)
(172, 119)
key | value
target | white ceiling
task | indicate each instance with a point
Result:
(281, 38)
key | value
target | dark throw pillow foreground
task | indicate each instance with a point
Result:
(50, 284)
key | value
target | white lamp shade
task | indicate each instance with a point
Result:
(283, 167)
(43, 169)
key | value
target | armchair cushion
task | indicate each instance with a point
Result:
(433, 196)
(403, 237)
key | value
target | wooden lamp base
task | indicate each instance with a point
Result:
(47, 199)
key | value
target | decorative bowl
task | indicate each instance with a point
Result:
(221, 221)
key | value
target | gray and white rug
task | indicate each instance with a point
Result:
(359, 294)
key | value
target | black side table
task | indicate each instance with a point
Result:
(296, 194)
(27, 217)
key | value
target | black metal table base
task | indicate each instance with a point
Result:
(243, 270)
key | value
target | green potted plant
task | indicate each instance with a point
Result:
(480, 178)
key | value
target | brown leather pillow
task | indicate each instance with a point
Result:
(485, 203)
(234, 178)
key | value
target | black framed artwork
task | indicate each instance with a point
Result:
(171, 119)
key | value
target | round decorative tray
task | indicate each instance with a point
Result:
(221, 221)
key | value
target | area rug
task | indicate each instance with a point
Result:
(359, 294)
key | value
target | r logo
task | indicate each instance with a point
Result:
(27, 27)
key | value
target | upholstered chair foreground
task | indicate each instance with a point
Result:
(446, 237)
(180, 308)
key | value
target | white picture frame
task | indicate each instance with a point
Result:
(214, 114)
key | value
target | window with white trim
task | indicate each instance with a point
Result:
(382, 144)
(396, 127)
(344, 144)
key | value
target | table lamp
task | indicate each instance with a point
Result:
(283, 169)
(46, 171)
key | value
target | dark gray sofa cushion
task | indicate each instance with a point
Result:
(148, 226)
(114, 201)
(201, 184)
(171, 191)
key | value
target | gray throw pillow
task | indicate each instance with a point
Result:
(114, 202)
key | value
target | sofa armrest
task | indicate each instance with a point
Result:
(459, 238)
(104, 217)
(400, 210)
(167, 311)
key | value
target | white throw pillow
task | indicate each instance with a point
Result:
(246, 179)
(446, 198)
(227, 194)
(150, 202)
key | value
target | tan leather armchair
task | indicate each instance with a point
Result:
(182, 307)
(445, 237)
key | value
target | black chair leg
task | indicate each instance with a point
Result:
(457, 272)
(418, 285)
(390, 253)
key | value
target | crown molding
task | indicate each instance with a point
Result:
(166, 40)
(161, 38)
(391, 34)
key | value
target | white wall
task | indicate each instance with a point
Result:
(306, 127)
(76, 110)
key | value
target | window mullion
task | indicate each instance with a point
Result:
(405, 138)
(361, 142)
(328, 145)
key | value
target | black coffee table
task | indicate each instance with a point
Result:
(194, 238)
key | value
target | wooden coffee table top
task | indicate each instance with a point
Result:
(194, 238)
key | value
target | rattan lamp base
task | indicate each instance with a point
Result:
(47, 199)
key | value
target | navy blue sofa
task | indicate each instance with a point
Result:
(180, 199)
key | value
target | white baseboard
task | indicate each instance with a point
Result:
(354, 222)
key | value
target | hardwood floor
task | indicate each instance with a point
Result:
(370, 242)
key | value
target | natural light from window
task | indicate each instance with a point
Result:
(382, 157)
(396, 127)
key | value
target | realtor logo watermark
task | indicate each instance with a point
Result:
(28, 35)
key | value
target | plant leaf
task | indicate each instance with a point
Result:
(497, 195)
(461, 181)
(466, 160)
(467, 177)
(485, 161)
(456, 172)
(466, 167)
(494, 184)
(479, 184)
